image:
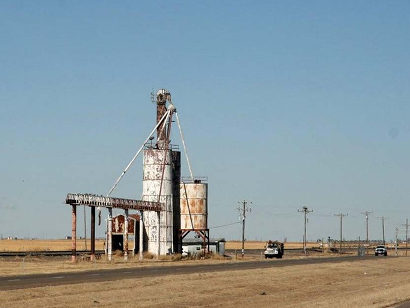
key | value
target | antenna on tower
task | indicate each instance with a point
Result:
(153, 96)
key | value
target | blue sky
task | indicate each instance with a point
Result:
(283, 104)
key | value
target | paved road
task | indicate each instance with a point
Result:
(41, 280)
(404, 305)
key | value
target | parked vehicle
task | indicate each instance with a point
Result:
(274, 249)
(380, 250)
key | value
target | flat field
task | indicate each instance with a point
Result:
(381, 282)
(54, 245)
(42, 245)
(62, 244)
(261, 245)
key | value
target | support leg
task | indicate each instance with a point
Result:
(73, 232)
(126, 236)
(92, 233)
(141, 242)
(135, 237)
(109, 233)
(159, 234)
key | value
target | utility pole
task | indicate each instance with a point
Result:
(367, 225)
(243, 209)
(306, 211)
(341, 230)
(382, 218)
(397, 234)
(407, 230)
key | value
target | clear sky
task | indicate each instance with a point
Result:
(283, 103)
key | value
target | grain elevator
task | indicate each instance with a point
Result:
(185, 206)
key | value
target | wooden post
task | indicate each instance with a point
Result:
(126, 235)
(74, 232)
(141, 239)
(92, 233)
(158, 234)
(109, 235)
(135, 237)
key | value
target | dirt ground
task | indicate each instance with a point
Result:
(368, 283)
(35, 265)
(11, 266)
(47, 265)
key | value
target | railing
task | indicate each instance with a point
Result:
(197, 179)
(111, 202)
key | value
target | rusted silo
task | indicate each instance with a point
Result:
(194, 205)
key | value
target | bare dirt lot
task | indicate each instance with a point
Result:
(369, 283)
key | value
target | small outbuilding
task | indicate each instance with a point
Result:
(193, 246)
(118, 231)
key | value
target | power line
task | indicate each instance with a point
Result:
(226, 225)
(322, 215)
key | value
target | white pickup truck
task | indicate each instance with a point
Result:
(273, 249)
(380, 250)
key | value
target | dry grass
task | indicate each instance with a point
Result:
(367, 283)
(38, 265)
(42, 245)
(53, 245)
